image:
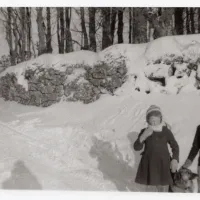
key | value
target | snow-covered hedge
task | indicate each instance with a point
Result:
(171, 65)
(71, 77)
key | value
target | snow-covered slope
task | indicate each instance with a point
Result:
(73, 146)
(86, 147)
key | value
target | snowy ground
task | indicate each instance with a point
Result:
(72, 146)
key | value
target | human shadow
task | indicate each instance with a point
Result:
(112, 164)
(21, 178)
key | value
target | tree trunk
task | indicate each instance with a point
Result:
(113, 22)
(22, 31)
(84, 32)
(92, 31)
(41, 32)
(165, 22)
(178, 12)
(68, 44)
(16, 42)
(106, 38)
(198, 20)
(192, 20)
(62, 31)
(139, 26)
(29, 38)
(134, 26)
(187, 21)
(58, 28)
(159, 11)
(9, 37)
(120, 25)
(48, 35)
(130, 25)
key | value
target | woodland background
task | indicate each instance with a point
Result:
(28, 32)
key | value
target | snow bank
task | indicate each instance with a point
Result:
(172, 45)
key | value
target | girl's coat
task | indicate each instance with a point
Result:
(154, 167)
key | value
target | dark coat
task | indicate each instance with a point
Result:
(154, 167)
(195, 146)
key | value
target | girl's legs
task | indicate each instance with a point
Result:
(151, 188)
(163, 188)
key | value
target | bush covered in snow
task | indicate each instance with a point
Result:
(171, 65)
(43, 83)
(104, 76)
(172, 71)
(168, 65)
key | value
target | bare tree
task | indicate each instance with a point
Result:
(68, 42)
(178, 13)
(17, 40)
(152, 23)
(139, 25)
(192, 20)
(29, 35)
(198, 20)
(120, 25)
(58, 27)
(113, 22)
(48, 34)
(106, 38)
(160, 12)
(92, 31)
(41, 31)
(84, 32)
(130, 25)
(166, 21)
(187, 21)
(62, 31)
(22, 32)
(9, 37)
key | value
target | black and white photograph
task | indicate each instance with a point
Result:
(100, 99)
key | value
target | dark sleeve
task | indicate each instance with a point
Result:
(174, 145)
(138, 145)
(195, 146)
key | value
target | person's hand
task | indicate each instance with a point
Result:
(148, 131)
(174, 165)
(187, 164)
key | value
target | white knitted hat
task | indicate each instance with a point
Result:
(153, 108)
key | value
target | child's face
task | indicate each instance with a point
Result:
(154, 120)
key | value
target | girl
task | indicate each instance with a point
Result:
(154, 168)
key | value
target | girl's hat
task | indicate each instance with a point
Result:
(153, 110)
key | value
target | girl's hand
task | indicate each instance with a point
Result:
(174, 165)
(148, 132)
